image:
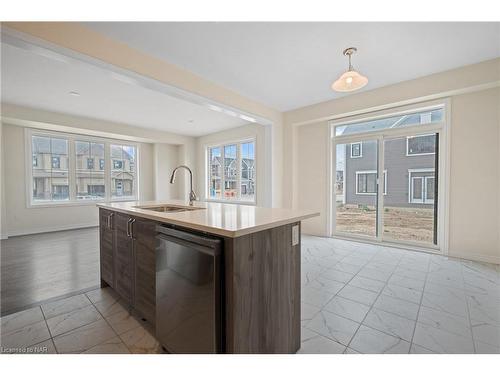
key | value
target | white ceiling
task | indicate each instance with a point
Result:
(33, 80)
(290, 65)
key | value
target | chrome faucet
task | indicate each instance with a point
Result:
(192, 194)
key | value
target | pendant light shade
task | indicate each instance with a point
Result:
(350, 80)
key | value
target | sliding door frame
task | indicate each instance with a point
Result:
(442, 174)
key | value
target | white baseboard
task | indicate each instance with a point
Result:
(476, 257)
(51, 229)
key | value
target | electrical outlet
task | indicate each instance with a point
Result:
(295, 235)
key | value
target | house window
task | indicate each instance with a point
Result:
(123, 173)
(231, 171)
(366, 182)
(117, 164)
(356, 150)
(421, 145)
(421, 186)
(57, 176)
(85, 153)
(56, 162)
(49, 175)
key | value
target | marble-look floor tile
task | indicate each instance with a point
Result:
(351, 351)
(483, 348)
(382, 267)
(334, 327)
(368, 284)
(355, 261)
(64, 306)
(445, 321)
(412, 274)
(406, 282)
(371, 341)
(441, 341)
(109, 307)
(391, 324)
(25, 336)
(406, 309)
(483, 309)
(348, 309)
(336, 275)
(375, 274)
(102, 294)
(20, 319)
(307, 312)
(111, 346)
(324, 284)
(66, 322)
(347, 267)
(84, 338)
(139, 340)
(417, 349)
(402, 293)
(449, 279)
(363, 296)
(320, 345)
(486, 333)
(315, 297)
(306, 334)
(447, 303)
(122, 322)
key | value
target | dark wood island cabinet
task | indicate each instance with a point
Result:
(259, 283)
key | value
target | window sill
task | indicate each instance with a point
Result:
(89, 202)
(227, 201)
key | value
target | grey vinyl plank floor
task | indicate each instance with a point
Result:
(41, 267)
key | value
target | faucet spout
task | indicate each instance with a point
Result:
(192, 194)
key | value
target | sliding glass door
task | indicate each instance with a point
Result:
(386, 183)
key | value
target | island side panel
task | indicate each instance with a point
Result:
(263, 292)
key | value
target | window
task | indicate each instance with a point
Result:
(421, 145)
(86, 177)
(231, 171)
(50, 173)
(71, 168)
(366, 182)
(123, 174)
(423, 117)
(421, 186)
(356, 150)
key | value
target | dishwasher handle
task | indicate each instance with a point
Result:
(201, 240)
(212, 251)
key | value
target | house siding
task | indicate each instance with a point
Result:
(397, 165)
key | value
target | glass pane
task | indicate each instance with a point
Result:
(89, 174)
(409, 200)
(123, 168)
(356, 190)
(247, 187)
(230, 172)
(399, 121)
(60, 186)
(422, 144)
(215, 173)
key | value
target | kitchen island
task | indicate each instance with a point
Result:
(212, 277)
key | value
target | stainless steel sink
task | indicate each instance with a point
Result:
(168, 208)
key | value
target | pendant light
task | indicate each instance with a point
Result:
(350, 80)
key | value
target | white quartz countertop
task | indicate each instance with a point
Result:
(229, 220)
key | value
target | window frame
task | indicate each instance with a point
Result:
(71, 138)
(371, 172)
(417, 136)
(221, 145)
(360, 150)
(411, 171)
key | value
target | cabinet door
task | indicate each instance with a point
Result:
(144, 232)
(107, 240)
(124, 258)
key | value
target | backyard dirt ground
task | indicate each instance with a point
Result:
(409, 224)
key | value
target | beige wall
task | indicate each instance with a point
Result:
(246, 131)
(475, 178)
(474, 175)
(3, 229)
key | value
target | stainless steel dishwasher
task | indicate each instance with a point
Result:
(188, 291)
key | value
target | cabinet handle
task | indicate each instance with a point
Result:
(128, 227)
(111, 216)
(132, 221)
